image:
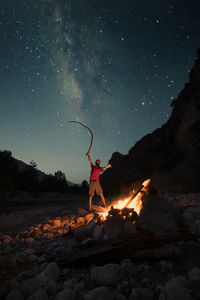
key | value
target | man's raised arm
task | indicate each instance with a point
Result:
(108, 166)
(89, 159)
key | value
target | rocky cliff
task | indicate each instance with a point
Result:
(170, 155)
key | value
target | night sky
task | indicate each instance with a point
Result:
(114, 65)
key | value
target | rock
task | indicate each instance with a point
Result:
(165, 266)
(68, 284)
(100, 293)
(52, 270)
(41, 294)
(66, 294)
(114, 227)
(29, 251)
(89, 217)
(97, 233)
(129, 228)
(109, 274)
(176, 289)
(29, 240)
(56, 223)
(123, 287)
(142, 293)
(157, 215)
(42, 281)
(128, 267)
(194, 274)
(21, 257)
(47, 227)
(72, 242)
(49, 235)
(23, 275)
(80, 220)
(79, 287)
(105, 237)
(8, 261)
(32, 258)
(37, 233)
(81, 233)
(119, 296)
(41, 259)
(91, 225)
(15, 295)
(162, 296)
(88, 241)
(7, 239)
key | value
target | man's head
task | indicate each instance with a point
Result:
(97, 162)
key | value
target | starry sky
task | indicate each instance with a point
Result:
(113, 65)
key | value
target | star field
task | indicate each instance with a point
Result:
(114, 65)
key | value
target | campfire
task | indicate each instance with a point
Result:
(129, 207)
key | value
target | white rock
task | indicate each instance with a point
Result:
(175, 289)
(109, 274)
(100, 293)
(52, 270)
(41, 294)
(66, 294)
(15, 295)
(97, 233)
(194, 274)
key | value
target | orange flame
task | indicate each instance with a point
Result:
(136, 203)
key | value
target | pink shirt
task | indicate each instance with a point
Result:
(95, 172)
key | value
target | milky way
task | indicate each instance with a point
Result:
(113, 65)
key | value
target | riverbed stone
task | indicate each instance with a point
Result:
(109, 274)
(100, 293)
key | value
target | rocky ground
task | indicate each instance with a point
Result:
(30, 268)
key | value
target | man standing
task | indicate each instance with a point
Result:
(94, 185)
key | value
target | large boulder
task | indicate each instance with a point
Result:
(157, 215)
